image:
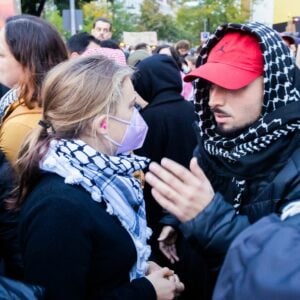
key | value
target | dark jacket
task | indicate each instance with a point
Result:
(216, 227)
(9, 247)
(256, 172)
(168, 116)
(13, 289)
(74, 248)
(263, 262)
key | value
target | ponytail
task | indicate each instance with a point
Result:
(27, 168)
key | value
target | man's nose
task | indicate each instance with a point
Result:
(217, 96)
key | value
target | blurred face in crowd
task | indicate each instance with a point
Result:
(165, 51)
(11, 71)
(235, 110)
(183, 51)
(102, 31)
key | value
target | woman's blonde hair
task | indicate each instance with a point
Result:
(73, 95)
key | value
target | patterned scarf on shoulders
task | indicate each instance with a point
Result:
(7, 99)
(109, 179)
(250, 153)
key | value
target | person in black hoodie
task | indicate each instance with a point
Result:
(10, 254)
(169, 118)
(247, 159)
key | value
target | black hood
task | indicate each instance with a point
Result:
(158, 79)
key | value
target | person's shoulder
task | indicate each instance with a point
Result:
(52, 190)
(20, 119)
(19, 111)
(56, 203)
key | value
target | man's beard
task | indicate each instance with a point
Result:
(232, 133)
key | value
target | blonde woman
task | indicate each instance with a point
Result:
(83, 226)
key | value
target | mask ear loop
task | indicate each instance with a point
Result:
(106, 136)
(120, 120)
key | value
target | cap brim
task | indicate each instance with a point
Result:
(226, 76)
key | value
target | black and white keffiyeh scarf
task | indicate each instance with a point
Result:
(247, 154)
(7, 99)
(109, 179)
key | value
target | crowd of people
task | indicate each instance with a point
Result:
(156, 174)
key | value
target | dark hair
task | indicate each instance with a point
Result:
(109, 44)
(172, 51)
(183, 44)
(103, 20)
(38, 47)
(80, 41)
(141, 46)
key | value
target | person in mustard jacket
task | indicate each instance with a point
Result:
(29, 47)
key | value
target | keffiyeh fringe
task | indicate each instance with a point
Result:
(107, 178)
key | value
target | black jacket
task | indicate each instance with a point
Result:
(74, 249)
(168, 116)
(219, 222)
(256, 171)
(9, 247)
(13, 289)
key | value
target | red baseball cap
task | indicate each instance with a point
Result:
(234, 62)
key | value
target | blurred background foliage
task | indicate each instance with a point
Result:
(186, 23)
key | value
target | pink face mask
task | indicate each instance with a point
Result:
(135, 133)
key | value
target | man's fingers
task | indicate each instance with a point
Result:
(196, 170)
(166, 203)
(161, 187)
(167, 176)
(181, 172)
(181, 192)
(177, 170)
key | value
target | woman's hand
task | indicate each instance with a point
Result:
(152, 267)
(166, 284)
